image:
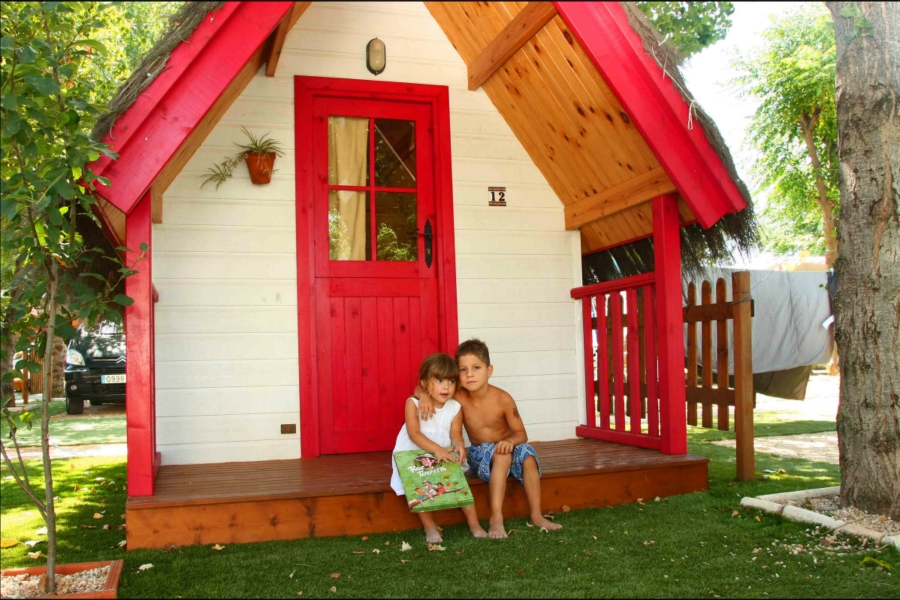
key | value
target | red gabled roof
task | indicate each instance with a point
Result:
(150, 132)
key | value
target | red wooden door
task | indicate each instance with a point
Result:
(376, 287)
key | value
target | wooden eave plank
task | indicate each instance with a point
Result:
(112, 221)
(274, 52)
(174, 116)
(655, 106)
(522, 28)
(636, 190)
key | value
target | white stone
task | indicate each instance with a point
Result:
(765, 505)
(801, 495)
(807, 516)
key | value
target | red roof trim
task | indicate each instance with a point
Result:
(655, 106)
(149, 133)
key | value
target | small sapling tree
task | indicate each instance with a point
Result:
(46, 189)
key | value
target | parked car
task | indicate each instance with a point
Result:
(95, 367)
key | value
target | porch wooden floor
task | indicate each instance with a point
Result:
(350, 494)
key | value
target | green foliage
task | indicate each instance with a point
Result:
(690, 26)
(792, 77)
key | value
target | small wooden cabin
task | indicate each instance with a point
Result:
(276, 329)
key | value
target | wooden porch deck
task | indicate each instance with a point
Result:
(350, 494)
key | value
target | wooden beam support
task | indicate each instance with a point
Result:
(632, 192)
(156, 203)
(274, 52)
(522, 28)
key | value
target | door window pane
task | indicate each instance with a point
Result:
(349, 234)
(348, 151)
(395, 153)
(395, 224)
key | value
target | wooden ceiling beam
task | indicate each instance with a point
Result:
(522, 28)
(280, 34)
(636, 190)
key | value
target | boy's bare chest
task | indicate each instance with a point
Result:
(483, 417)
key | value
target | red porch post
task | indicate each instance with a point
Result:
(140, 399)
(670, 321)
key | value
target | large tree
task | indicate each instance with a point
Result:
(867, 304)
(689, 26)
(794, 130)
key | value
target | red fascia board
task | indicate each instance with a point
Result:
(184, 97)
(657, 109)
(180, 59)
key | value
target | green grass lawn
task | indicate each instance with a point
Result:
(70, 430)
(699, 549)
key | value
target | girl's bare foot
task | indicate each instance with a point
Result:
(433, 535)
(477, 530)
(497, 531)
(548, 524)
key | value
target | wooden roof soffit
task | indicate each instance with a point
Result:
(629, 193)
(274, 51)
(516, 34)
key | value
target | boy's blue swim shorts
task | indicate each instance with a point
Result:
(479, 459)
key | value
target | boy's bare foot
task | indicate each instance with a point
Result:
(477, 530)
(497, 531)
(433, 535)
(546, 523)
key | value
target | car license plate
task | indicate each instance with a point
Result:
(112, 379)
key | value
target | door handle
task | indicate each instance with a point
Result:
(429, 236)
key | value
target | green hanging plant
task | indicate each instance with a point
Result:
(259, 153)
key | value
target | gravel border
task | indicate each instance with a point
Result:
(770, 503)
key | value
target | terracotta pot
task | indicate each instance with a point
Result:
(260, 166)
(108, 591)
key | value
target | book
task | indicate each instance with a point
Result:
(431, 484)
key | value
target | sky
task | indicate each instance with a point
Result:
(707, 74)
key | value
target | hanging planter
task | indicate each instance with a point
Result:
(259, 155)
(260, 166)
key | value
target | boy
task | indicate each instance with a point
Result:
(497, 434)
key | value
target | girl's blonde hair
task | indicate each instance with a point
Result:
(438, 366)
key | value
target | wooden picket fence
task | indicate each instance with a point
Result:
(34, 383)
(700, 390)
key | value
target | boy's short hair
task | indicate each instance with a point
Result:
(476, 348)
(438, 366)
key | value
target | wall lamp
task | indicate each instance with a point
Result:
(376, 56)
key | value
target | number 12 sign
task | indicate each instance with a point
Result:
(498, 196)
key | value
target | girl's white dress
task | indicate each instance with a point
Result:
(436, 429)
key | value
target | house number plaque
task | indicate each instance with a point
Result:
(498, 196)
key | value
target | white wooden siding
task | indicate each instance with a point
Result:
(225, 266)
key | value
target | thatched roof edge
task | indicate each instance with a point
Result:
(181, 25)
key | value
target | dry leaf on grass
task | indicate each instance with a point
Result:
(145, 567)
(300, 593)
(35, 555)
(566, 508)
(403, 562)
(335, 575)
(98, 516)
(8, 542)
(376, 551)
(359, 552)
(405, 547)
(544, 530)
(387, 543)
(435, 548)
(529, 523)
(41, 531)
(594, 537)
(511, 532)
(218, 547)
(33, 543)
(122, 543)
(291, 576)
(89, 527)
(106, 526)
(649, 543)
(365, 538)
(656, 499)
(461, 552)
(333, 590)
(735, 513)
(551, 517)
(758, 520)
(122, 526)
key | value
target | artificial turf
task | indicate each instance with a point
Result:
(69, 430)
(685, 546)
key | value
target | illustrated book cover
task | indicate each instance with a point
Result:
(431, 484)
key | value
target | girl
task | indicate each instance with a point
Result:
(437, 374)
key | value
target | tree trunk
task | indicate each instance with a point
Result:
(59, 367)
(9, 351)
(867, 304)
(808, 125)
(45, 431)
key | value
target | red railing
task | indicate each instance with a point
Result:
(621, 361)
